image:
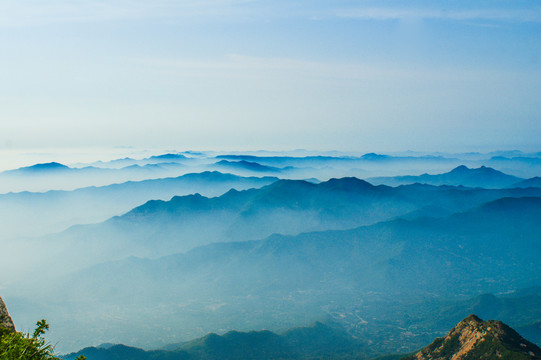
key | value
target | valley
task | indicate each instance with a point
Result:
(391, 266)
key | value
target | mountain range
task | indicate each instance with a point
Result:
(248, 166)
(56, 176)
(376, 167)
(289, 280)
(517, 163)
(319, 341)
(484, 177)
(397, 256)
(56, 210)
(285, 207)
(471, 338)
(185, 256)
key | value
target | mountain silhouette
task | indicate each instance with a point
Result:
(56, 210)
(532, 182)
(287, 207)
(386, 262)
(39, 168)
(316, 342)
(56, 176)
(246, 165)
(484, 177)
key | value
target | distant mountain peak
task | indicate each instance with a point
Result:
(473, 338)
(485, 177)
(347, 183)
(461, 168)
(168, 156)
(247, 165)
(46, 166)
(287, 183)
(374, 156)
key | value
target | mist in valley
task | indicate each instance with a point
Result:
(211, 252)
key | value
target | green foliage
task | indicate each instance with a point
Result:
(20, 346)
(450, 347)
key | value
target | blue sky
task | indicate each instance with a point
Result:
(228, 74)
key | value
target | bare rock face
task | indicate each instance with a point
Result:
(475, 339)
(5, 319)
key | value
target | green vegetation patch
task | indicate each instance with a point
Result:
(20, 346)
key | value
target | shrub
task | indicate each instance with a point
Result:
(21, 346)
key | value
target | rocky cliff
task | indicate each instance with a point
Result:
(5, 319)
(474, 338)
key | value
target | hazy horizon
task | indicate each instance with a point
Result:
(83, 156)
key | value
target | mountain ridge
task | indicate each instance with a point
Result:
(320, 271)
(485, 177)
(287, 207)
(57, 210)
(471, 339)
(474, 338)
(319, 341)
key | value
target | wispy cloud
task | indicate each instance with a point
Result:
(237, 65)
(16, 13)
(242, 66)
(29, 13)
(516, 15)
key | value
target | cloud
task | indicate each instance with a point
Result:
(33, 13)
(245, 66)
(238, 65)
(515, 15)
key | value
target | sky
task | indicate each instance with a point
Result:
(361, 75)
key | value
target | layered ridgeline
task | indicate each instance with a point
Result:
(56, 176)
(484, 177)
(244, 165)
(532, 182)
(284, 281)
(285, 207)
(371, 164)
(319, 341)
(474, 339)
(53, 211)
(471, 339)
(35, 213)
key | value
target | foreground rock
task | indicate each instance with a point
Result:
(474, 338)
(5, 319)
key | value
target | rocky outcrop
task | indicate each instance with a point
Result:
(5, 319)
(474, 338)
